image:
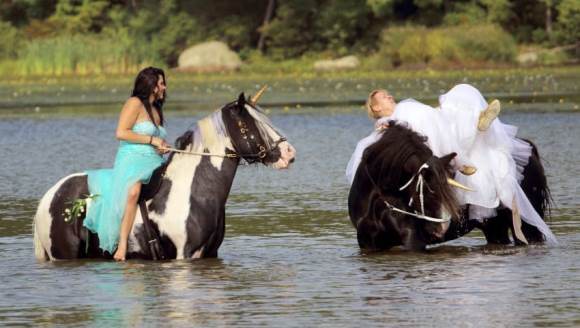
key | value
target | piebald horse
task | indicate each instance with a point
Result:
(187, 209)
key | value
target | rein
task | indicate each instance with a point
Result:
(261, 154)
(173, 150)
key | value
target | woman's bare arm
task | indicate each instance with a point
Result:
(127, 119)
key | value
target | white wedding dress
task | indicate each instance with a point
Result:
(496, 153)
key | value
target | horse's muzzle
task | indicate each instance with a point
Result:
(287, 155)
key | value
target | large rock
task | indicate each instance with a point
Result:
(348, 62)
(528, 58)
(207, 57)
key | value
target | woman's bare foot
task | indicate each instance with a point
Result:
(120, 253)
(488, 115)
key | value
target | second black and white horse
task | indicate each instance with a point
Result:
(188, 209)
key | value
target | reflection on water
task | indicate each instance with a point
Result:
(290, 256)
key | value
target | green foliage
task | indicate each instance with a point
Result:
(81, 54)
(381, 8)
(553, 57)
(10, 41)
(80, 16)
(290, 33)
(465, 13)
(20, 12)
(343, 24)
(569, 21)
(64, 36)
(498, 11)
(459, 44)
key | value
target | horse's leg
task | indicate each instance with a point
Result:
(411, 240)
(127, 222)
(497, 229)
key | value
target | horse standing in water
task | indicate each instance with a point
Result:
(401, 196)
(187, 209)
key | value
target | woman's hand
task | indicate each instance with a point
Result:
(160, 144)
(382, 126)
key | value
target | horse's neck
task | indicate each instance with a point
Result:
(192, 175)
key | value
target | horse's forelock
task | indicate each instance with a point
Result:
(263, 123)
(398, 155)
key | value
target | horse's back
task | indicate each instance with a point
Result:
(49, 219)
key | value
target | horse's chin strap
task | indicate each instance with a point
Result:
(419, 189)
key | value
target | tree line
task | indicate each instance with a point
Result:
(276, 29)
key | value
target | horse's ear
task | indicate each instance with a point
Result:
(242, 100)
(184, 140)
(445, 160)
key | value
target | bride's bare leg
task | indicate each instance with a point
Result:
(127, 222)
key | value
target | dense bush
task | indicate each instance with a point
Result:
(10, 41)
(569, 21)
(413, 45)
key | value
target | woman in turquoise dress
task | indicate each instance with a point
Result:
(142, 143)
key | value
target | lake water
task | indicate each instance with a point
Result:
(290, 255)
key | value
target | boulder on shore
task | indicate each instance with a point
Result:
(348, 62)
(528, 58)
(209, 57)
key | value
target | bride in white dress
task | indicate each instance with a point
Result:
(489, 156)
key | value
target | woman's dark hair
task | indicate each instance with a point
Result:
(145, 83)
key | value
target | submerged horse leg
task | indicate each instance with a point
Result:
(411, 240)
(497, 229)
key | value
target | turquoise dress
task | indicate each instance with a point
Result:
(134, 162)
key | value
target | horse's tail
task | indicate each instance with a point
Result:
(39, 225)
(535, 186)
(39, 251)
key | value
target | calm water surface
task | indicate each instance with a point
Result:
(290, 256)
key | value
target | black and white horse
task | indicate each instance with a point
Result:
(187, 210)
(388, 208)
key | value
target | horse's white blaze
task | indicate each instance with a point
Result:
(43, 221)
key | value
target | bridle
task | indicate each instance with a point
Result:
(418, 188)
(259, 148)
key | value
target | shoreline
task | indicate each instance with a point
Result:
(552, 85)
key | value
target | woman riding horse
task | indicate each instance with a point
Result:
(187, 208)
(141, 132)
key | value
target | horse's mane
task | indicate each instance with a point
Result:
(396, 156)
(395, 147)
(193, 137)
